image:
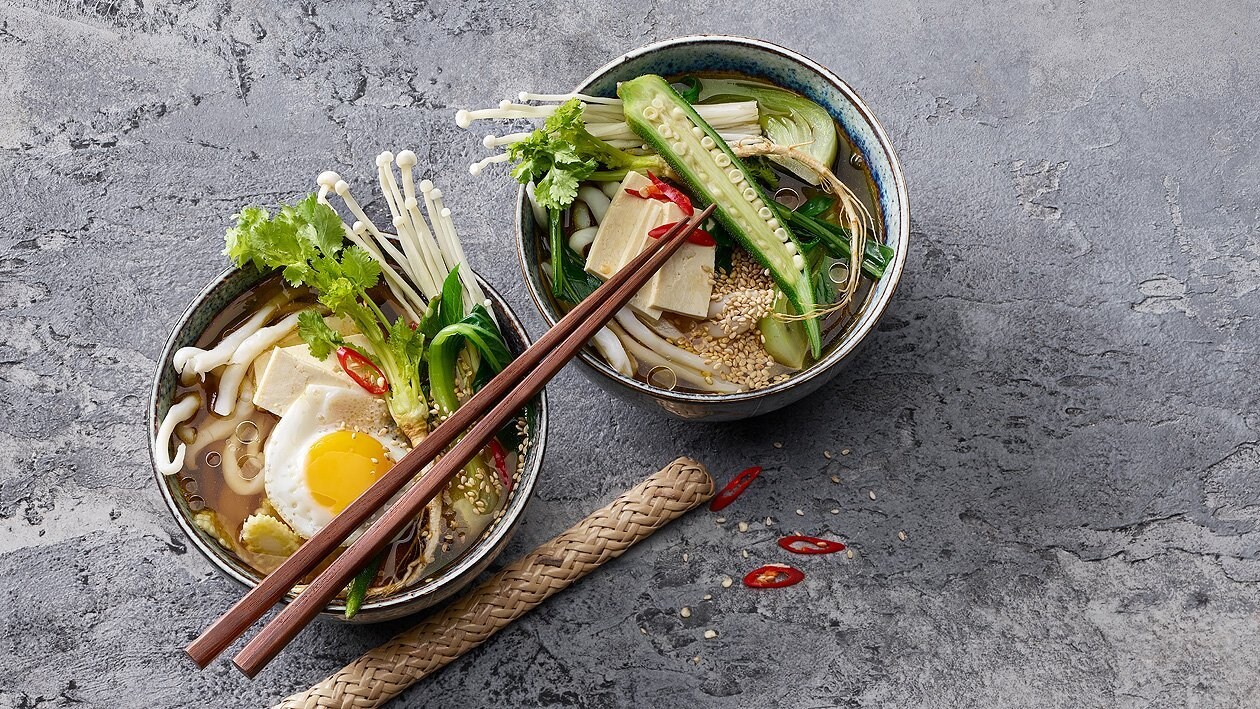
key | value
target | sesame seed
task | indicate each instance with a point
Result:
(827, 455)
(778, 444)
(695, 660)
(846, 451)
(835, 511)
(872, 494)
(643, 630)
(800, 513)
(684, 557)
(769, 522)
(743, 527)
(685, 612)
(710, 634)
(849, 553)
(901, 536)
(743, 553)
(708, 597)
(835, 479)
(727, 581)
(720, 520)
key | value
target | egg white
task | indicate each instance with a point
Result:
(320, 410)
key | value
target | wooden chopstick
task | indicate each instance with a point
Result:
(510, 390)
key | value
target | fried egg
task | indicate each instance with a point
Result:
(331, 444)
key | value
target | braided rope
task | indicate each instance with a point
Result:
(383, 673)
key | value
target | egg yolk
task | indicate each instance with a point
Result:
(341, 465)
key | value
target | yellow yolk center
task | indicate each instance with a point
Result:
(341, 465)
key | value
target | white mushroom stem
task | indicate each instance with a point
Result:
(648, 357)
(477, 167)
(610, 348)
(631, 324)
(493, 141)
(417, 263)
(596, 200)
(444, 229)
(561, 98)
(429, 248)
(201, 361)
(179, 412)
(581, 239)
(264, 339)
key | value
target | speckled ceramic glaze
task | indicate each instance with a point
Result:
(216, 296)
(786, 68)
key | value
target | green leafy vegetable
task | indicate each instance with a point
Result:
(561, 154)
(569, 280)
(306, 242)
(816, 205)
(692, 94)
(476, 329)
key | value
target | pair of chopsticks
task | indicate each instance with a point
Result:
(479, 419)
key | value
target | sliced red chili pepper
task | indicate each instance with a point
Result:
(699, 237)
(801, 544)
(500, 463)
(672, 194)
(362, 371)
(735, 488)
(773, 576)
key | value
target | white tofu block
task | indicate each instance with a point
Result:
(287, 371)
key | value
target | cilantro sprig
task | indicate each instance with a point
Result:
(306, 242)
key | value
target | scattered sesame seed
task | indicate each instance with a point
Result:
(710, 634)
(849, 553)
(684, 557)
(720, 520)
(872, 494)
(744, 553)
(846, 451)
(778, 444)
(727, 581)
(695, 660)
(743, 527)
(769, 522)
(901, 536)
(835, 479)
(827, 455)
(708, 597)
(800, 513)
(685, 612)
(643, 630)
(835, 511)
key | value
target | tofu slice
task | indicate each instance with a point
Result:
(682, 285)
(285, 372)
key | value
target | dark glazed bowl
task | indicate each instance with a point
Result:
(786, 68)
(435, 588)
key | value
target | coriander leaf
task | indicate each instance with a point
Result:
(320, 338)
(359, 267)
(327, 231)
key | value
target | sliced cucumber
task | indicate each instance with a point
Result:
(705, 162)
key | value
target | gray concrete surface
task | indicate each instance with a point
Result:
(1059, 411)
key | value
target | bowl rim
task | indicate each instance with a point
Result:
(870, 315)
(489, 544)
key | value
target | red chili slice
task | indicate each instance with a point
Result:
(801, 544)
(699, 237)
(735, 488)
(500, 463)
(362, 371)
(672, 194)
(773, 576)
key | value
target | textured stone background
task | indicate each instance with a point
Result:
(1059, 409)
